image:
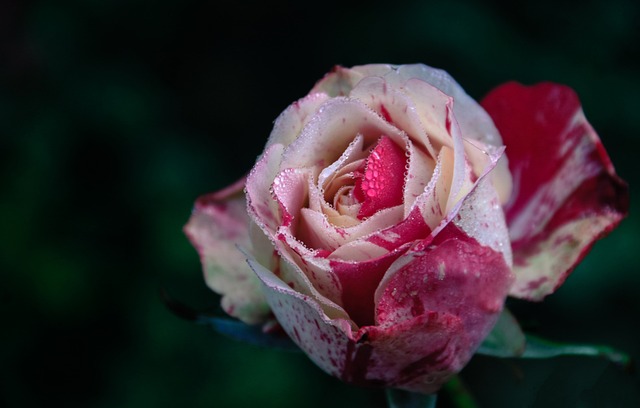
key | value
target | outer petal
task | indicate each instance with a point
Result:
(323, 339)
(453, 274)
(288, 125)
(261, 206)
(417, 355)
(219, 223)
(340, 81)
(566, 192)
(473, 120)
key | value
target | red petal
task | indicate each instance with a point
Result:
(381, 184)
(419, 354)
(359, 281)
(453, 274)
(566, 192)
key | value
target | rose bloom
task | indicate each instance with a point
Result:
(390, 215)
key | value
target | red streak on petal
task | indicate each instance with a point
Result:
(385, 113)
(534, 145)
(356, 362)
(410, 229)
(381, 184)
(549, 142)
(359, 282)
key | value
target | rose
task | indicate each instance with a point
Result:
(381, 218)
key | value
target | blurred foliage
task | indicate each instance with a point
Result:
(115, 115)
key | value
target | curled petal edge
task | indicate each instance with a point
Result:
(219, 220)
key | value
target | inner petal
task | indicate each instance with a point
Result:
(381, 184)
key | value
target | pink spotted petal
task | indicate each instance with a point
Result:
(311, 263)
(322, 338)
(218, 225)
(450, 275)
(418, 355)
(566, 194)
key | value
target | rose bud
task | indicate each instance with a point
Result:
(385, 225)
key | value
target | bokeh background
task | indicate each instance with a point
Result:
(115, 115)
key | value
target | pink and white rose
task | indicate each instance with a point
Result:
(384, 226)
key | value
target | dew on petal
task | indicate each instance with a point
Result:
(381, 183)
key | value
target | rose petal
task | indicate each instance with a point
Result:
(480, 214)
(473, 120)
(262, 208)
(417, 355)
(288, 125)
(290, 190)
(322, 339)
(331, 130)
(394, 105)
(353, 153)
(433, 109)
(410, 229)
(218, 224)
(381, 185)
(566, 192)
(340, 81)
(478, 154)
(359, 280)
(297, 280)
(312, 263)
(317, 232)
(421, 172)
(453, 275)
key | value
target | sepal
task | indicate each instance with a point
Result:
(506, 339)
(270, 336)
(406, 399)
(541, 348)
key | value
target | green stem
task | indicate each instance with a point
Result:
(459, 393)
(405, 399)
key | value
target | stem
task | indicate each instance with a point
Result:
(405, 399)
(459, 393)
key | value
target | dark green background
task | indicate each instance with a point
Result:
(116, 115)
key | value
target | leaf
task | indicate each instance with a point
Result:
(235, 329)
(405, 399)
(506, 339)
(540, 348)
(252, 334)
